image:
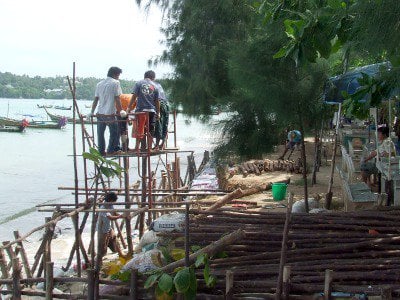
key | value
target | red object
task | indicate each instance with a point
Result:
(373, 232)
(25, 123)
(240, 205)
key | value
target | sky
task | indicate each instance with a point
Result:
(45, 37)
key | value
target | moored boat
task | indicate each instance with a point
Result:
(48, 124)
(57, 118)
(4, 121)
(12, 128)
(62, 107)
(44, 106)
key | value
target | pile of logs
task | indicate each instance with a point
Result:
(260, 166)
(362, 250)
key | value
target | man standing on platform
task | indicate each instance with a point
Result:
(161, 129)
(107, 97)
(145, 95)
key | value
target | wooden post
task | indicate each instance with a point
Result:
(75, 218)
(3, 266)
(144, 188)
(328, 285)
(134, 284)
(128, 225)
(328, 196)
(286, 282)
(187, 236)
(386, 293)
(24, 257)
(16, 275)
(283, 248)
(75, 221)
(90, 284)
(49, 280)
(47, 247)
(41, 263)
(168, 169)
(39, 253)
(178, 172)
(229, 285)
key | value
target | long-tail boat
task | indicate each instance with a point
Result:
(4, 121)
(57, 118)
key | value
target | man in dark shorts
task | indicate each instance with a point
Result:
(145, 95)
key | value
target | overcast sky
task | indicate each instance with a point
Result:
(45, 37)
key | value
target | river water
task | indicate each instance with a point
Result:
(35, 163)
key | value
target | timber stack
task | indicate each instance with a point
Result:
(358, 250)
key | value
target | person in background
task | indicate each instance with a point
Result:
(396, 129)
(107, 98)
(161, 129)
(145, 96)
(385, 146)
(293, 140)
(123, 121)
(105, 234)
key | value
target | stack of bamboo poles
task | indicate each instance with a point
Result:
(361, 250)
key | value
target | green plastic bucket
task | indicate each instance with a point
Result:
(279, 191)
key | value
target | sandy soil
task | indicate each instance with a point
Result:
(296, 185)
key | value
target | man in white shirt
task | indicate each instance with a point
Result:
(107, 98)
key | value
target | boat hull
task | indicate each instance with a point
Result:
(33, 124)
(57, 118)
(12, 128)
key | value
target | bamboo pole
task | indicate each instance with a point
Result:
(16, 274)
(75, 218)
(3, 266)
(90, 279)
(71, 254)
(229, 285)
(49, 280)
(128, 225)
(286, 282)
(75, 221)
(284, 247)
(328, 285)
(210, 250)
(24, 257)
(187, 236)
(134, 284)
(50, 223)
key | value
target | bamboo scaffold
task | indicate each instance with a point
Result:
(88, 191)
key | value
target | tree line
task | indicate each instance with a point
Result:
(267, 61)
(24, 86)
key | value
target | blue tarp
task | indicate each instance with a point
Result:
(348, 82)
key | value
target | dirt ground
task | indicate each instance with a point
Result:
(296, 186)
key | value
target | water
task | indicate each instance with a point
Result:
(34, 164)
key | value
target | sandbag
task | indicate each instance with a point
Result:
(169, 222)
(149, 237)
(144, 261)
(300, 206)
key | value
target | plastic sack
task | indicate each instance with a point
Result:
(149, 237)
(112, 267)
(300, 206)
(145, 261)
(169, 222)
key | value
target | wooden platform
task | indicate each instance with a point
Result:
(134, 153)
